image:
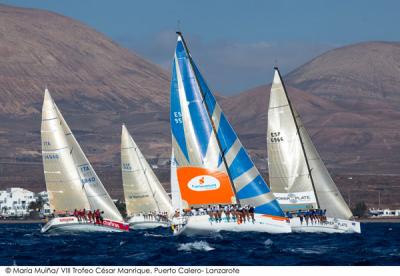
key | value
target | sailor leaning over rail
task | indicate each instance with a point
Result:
(311, 216)
(221, 213)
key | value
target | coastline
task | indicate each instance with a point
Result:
(379, 220)
(22, 221)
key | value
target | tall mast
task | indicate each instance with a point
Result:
(301, 139)
(209, 116)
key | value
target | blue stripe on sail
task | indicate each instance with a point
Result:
(226, 135)
(220, 160)
(255, 188)
(198, 113)
(180, 50)
(208, 96)
(270, 208)
(240, 164)
(177, 127)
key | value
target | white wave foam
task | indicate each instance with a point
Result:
(197, 245)
(268, 243)
(152, 235)
(317, 250)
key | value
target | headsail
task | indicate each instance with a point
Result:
(206, 144)
(298, 177)
(63, 183)
(94, 190)
(143, 192)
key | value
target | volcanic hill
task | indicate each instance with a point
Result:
(348, 99)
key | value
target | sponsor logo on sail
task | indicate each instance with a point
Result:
(295, 198)
(203, 183)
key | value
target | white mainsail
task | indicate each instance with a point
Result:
(62, 179)
(298, 177)
(91, 186)
(143, 192)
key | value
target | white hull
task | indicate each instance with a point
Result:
(331, 225)
(71, 224)
(139, 222)
(202, 225)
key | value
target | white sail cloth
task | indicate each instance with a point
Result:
(298, 177)
(143, 192)
(63, 183)
(76, 168)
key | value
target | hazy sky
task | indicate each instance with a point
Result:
(235, 43)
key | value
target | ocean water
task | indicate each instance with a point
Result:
(23, 244)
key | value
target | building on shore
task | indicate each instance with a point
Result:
(384, 213)
(15, 202)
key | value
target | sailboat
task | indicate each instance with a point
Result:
(212, 166)
(147, 203)
(71, 181)
(297, 174)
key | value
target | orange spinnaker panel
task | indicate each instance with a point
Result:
(199, 186)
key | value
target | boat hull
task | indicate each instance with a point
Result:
(331, 225)
(72, 224)
(202, 225)
(139, 222)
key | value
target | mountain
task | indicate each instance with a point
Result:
(349, 101)
(366, 72)
(97, 85)
(350, 110)
(351, 140)
(363, 79)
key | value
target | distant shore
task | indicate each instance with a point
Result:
(380, 220)
(22, 221)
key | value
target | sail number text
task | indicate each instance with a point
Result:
(178, 117)
(126, 167)
(276, 137)
(86, 174)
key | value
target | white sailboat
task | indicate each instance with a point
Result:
(297, 175)
(147, 203)
(212, 166)
(70, 179)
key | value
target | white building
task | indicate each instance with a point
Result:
(45, 211)
(15, 202)
(384, 212)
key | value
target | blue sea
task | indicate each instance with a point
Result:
(23, 244)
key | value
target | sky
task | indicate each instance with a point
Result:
(235, 44)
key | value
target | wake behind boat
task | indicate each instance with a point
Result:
(298, 176)
(212, 166)
(147, 203)
(71, 182)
